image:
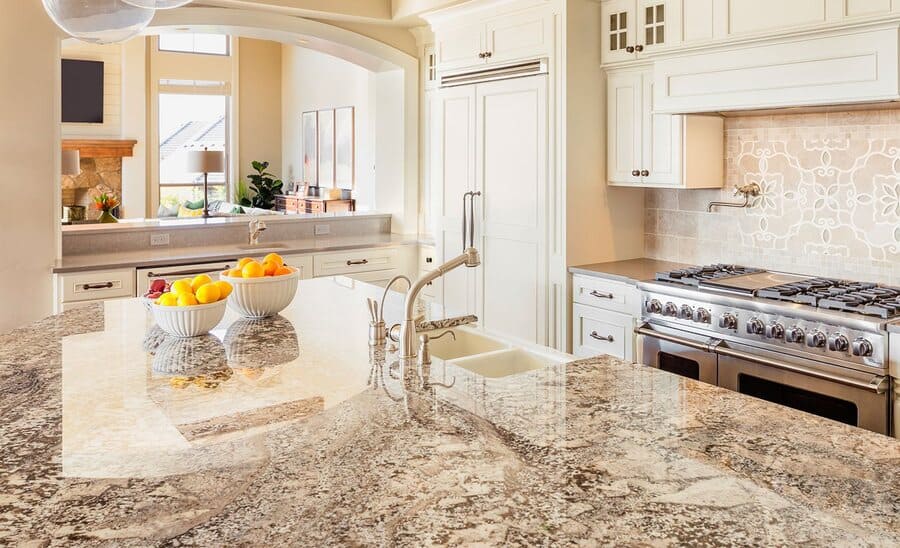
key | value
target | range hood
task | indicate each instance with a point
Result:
(844, 67)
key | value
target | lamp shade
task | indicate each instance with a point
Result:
(206, 161)
(158, 4)
(71, 162)
(98, 21)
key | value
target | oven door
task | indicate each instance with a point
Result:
(678, 352)
(845, 395)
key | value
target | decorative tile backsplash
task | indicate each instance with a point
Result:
(830, 202)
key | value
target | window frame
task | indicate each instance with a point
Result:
(228, 46)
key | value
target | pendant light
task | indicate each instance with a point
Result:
(98, 21)
(158, 4)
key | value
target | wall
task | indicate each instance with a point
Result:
(29, 149)
(830, 203)
(259, 99)
(134, 126)
(111, 55)
(315, 81)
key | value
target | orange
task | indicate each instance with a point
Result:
(208, 293)
(253, 270)
(224, 288)
(274, 258)
(186, 299)
(282, 271)
(244, 261)
(270, 267)
(234, 273)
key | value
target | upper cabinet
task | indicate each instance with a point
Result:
(634, 29)
(519, 35)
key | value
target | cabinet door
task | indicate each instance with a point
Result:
(624, 127)
(618, 28)
(746, 17)
(520, 35)
(459, 46)
(662, 142)
(511, 159)
(453, 175)
(653, 28)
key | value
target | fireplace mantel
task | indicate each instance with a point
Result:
(101, 148)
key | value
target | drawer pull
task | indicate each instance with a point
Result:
(107, 285)
(608, 338)
(152, 274)
(599, 295)
(362, 261)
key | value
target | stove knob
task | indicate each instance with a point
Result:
(795, 335)
(728, 321)
(653, 306)
(815, 340)
(862, 347)
(756, 327)
(701, 315)
(686, 312)
(670, 310)
(838, 343)
(775, 331)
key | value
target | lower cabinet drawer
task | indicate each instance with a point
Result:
(606, 294)
(349, 262)
(597, 332)
(95, 286)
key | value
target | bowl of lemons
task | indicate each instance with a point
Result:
(261, 288)
(192, 306)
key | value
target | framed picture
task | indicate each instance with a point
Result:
(326, 148)
(344, 146)
(310, 147)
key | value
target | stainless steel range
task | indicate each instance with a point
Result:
(815, 344)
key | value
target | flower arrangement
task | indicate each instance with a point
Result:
(105, 203)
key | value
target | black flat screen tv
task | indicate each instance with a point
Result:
(82, 91)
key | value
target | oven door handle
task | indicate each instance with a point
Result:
(878, 384)
(705, 346)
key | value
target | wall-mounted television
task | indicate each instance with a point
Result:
(82, 91)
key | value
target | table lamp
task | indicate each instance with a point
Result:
(206, 161)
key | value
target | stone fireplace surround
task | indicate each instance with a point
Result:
(101, 171)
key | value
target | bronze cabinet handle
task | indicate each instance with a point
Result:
(638, 48)
(599, 295)
(635, 173)
(107, 285)
(644, 173)
(607, 338)
(488, 54)
(353, 263)
(630, 49)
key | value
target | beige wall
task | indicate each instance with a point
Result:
(830, 203)
(134, 126)
(111, 56)
(259, 111)
(29, 155)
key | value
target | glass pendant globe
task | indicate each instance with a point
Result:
(158, 4)
(98, 21)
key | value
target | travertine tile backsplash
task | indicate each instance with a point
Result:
(830, 202)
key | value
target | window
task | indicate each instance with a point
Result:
(190, 121)
(210, 44)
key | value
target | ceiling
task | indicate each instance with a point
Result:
(403, 13)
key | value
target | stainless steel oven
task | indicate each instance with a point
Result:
(670, 350)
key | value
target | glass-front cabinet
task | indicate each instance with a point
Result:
(634, 27)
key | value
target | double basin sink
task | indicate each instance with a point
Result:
(491, 357)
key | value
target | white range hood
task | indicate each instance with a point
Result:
(837, 68)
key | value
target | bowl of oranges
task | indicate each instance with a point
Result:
(261, 288)
(191, 306)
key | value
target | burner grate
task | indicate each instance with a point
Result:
(864, 298)
(694, 275)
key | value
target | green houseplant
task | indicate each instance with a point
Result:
(264, 185)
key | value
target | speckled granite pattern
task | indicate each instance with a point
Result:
(596, 452)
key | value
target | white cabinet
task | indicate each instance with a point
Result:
(511, 36)
(354, 262)
(493, 139)
(651, 149)
(96, 286)
(304, 263)
(603, 317)
(635, 28)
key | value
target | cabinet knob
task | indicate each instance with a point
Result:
(644, 173)
(487, 54)
(481, 55)
(635, 173)
(638, 48)
(629, 49)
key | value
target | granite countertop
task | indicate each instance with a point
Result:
(292, 431)
(199, 254)
(629, 270)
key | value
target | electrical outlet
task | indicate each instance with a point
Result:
(159, 239)
(321, 230)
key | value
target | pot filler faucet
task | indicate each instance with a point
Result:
(469, 258)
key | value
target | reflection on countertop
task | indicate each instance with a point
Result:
(311, 437)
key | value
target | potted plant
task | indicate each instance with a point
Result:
(104, 203)
(265, 187)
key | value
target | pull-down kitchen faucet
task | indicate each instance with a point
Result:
(469, 258)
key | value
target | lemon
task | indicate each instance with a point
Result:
(244, 261)
(269, 268)
(199, 281)
(234, 273)
(182, 286)
(253, 270)
(186, 299)
(167, 299)
(224, 289)
(208, 293)
(273, 258)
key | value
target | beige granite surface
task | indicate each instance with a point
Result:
(212, 253)
(629, 270)
(293, 431)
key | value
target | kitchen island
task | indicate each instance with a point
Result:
(294, 431)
